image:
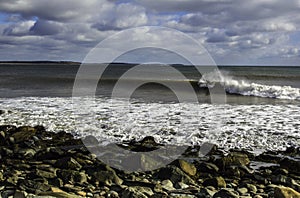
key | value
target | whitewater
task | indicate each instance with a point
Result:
(243, 87)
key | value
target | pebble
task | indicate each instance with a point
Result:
(34, 161)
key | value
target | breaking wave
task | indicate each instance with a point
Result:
(243, 87)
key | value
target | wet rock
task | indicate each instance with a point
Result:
(252, 188)
(285, 192)
(26, 153)
(56, 192)
(174, 174)
(107, 177)
(145, 145)
(207, 167)
(68, 163)
(23, 134)
(233, 159)
(167, 185)
(228, 193)
(242, 191)
(205, 192)
(217, 182)
(46, 174)
(112, 194)
(291, 165)
(185, 166)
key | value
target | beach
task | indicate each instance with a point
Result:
(52, 144)
(37, 162)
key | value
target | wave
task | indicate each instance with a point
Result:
(243, 87)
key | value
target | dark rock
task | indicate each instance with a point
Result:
(107, 177)
(68, 163)
(46, 174)
(185, 166)
(291, 165)
(226, 193)
(207, 167)
(217, 182)
(233, 159)
(145, 145)
(174, 174)
(23, 133)
(285, 192)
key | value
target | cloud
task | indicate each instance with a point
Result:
(230, 29)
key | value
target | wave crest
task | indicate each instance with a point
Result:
(243, 87)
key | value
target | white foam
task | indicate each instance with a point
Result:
(243, 87)
(270, 127)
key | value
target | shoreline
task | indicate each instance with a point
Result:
(39, 162)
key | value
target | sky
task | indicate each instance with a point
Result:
(234, 32)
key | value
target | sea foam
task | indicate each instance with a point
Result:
(243, 87)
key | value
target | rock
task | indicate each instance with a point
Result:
(132, 192)
(174, 174)
(217, 182)
(26, 153)
(112, 194)
(68, 163)
(20, 194)
(181, 185)
(185, 166)
(252, 188)
(285, 192)
(242, 191)
(167, 185)
(81, 193)
(226, 193)
(207, 167)
(23, 134)
(46, 174)
(233, 159)
(107, 177)
(291, 165)
(205, 192)
(56, 192)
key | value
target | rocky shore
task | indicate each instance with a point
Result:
(37, 163)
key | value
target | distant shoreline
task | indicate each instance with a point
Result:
(124, 63)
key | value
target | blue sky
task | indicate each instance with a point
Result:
(255, 32)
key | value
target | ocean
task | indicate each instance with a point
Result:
(261, 112)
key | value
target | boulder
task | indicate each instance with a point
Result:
(228, 193)
(217, 182)
(68, 163)
(285, 192)
(185, 166)
(174, 174)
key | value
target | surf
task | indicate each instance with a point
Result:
(246, 88)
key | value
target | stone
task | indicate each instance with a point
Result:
(185, 166)
(233, 159)
(205, 192)
(174, 174)
(226, 193)
(56, 192)
(207, 167)
(167, 185)
(81, 193)
(26, 153)
(80, 177)
(68, 163)
(217, 182)
(292, 165)
(242, 191)
(46, 174)
(112, 194)
(107, 177)
(23, 134)
(252, 188)
(285, 192)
